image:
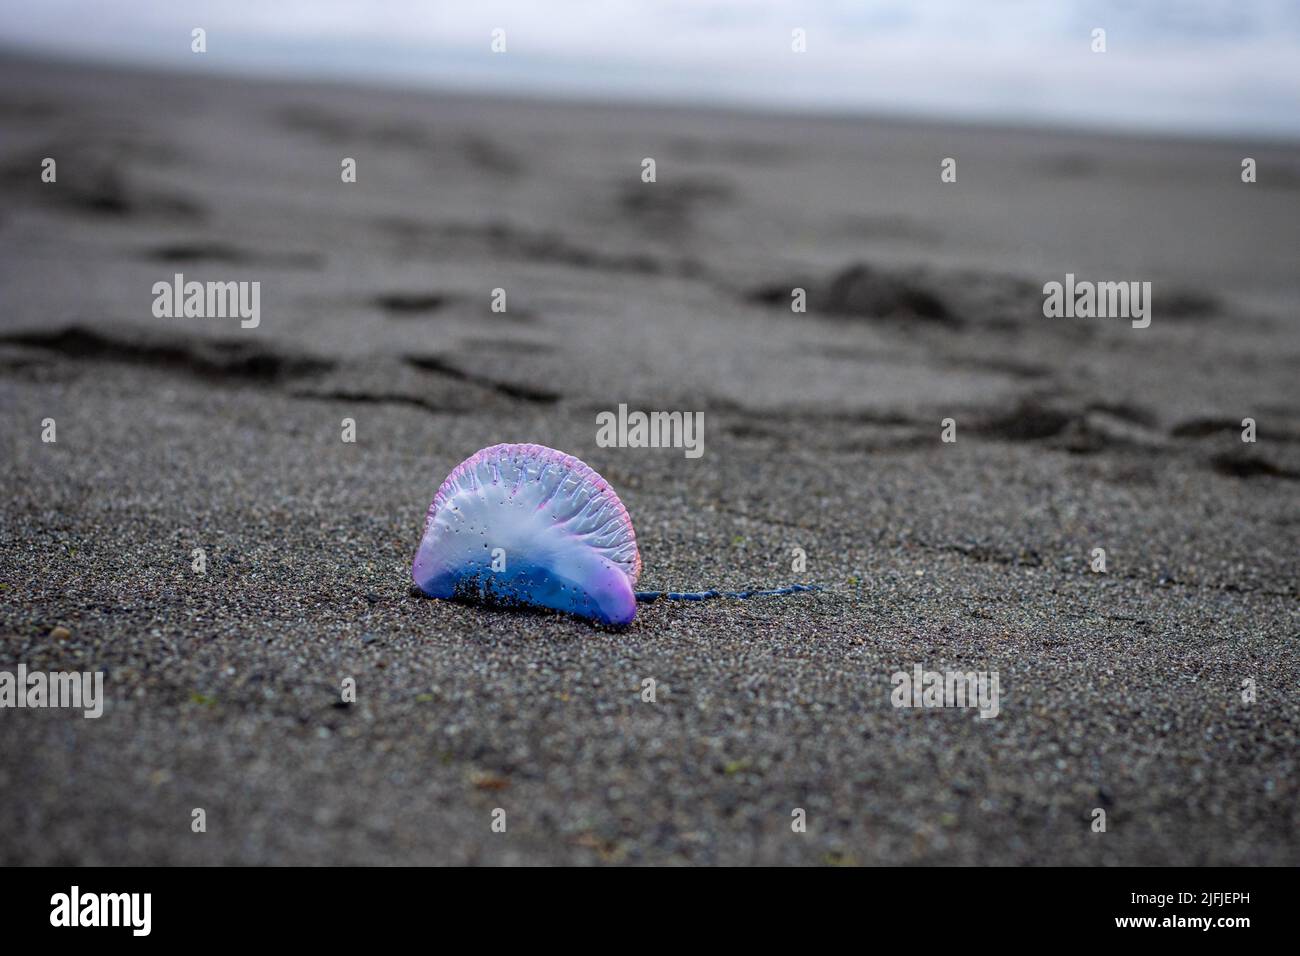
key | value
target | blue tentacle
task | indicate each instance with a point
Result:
(645, 597)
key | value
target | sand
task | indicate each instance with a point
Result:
(1120, 691)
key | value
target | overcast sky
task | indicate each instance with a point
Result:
(1218, 66)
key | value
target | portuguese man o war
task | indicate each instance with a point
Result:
(526, 525)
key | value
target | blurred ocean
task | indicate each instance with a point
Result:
(1199, 66)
